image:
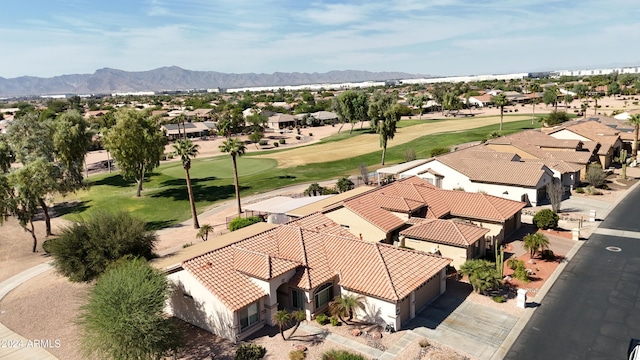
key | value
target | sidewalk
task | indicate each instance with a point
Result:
(12, 345)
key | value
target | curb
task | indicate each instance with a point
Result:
(524, 319)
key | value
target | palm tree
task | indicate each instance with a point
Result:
(346, 305)
(596, 97)
(204, 232)
(635, 121)
(282, 318)
(299, 316)
(235, 148)
(482, 274)
(534, 102)
(535, 242)
(501, 101)
(186, 149)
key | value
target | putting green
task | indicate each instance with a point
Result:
(220, 167)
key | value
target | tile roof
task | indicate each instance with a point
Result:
(446, 232)
(320, 250)
(481, 206)
(369, 209)
(530, 147)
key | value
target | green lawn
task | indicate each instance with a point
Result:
(165, 202)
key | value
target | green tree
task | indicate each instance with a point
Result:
(282, 318)
(384, 113)
(482, 274)
(186, 149)
(635, 121)
(344, 184)
(418, 102)
(240, 222)
(123, 317)
(596, 97)
(346, 306)
(439, 151)
(550, 96)
(351, 107)
(257, 122)
(500, 101)
(451, 102)
(85, 249)
(546, 219)
(535, 242)
(255, 137)
(614, 89)
(313, 190)
(7, 155)
(568, 99)
(204, 231)
(555, 118)
(136, 144)
(235, 148)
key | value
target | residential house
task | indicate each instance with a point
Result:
(281, 121)
(481, 169)
(191, 129)
(481, 100)
(233, 290)
(381, 214)
(591, 132)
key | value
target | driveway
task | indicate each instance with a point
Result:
(462, 324)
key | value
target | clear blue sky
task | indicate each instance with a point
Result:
(440, 37)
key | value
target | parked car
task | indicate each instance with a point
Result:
(634, 349)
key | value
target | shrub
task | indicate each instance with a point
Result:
(521, 273)
(547, 254)
(187, 245)
(439, 151)
(424, 343)
(297, 355)
(250, 352)
(546, 219)
(322, 319)
(263, 143)
(344, 184)
(282, 141)
(409, 155)
(580, 190)
(498, 299)
(85, 249)
(298, 137)
(593, 191)
(595, 176)
(512, 263)
(310, 134)
(334, 321)
(276, 144)
(556, 117)
(239, 223)
(341, 355)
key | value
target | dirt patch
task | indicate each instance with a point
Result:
(540, 271)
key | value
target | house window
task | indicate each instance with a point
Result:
(323, 295)
(297, 299)
(249, 316)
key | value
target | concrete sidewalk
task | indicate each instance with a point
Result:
(12, 345)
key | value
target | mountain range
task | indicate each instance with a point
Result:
(107, 81)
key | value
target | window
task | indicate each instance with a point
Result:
(297, 300)
(249, 316)
(323, 295)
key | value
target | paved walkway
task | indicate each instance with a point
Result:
(12, 345)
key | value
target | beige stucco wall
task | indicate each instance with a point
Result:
(376, 310)
(204, 310)
(357, 225)
(457, 254)
(271, 288)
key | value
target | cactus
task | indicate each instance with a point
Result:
(623, 161)
(499, 254)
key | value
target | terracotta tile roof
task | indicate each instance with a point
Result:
(536, 138)
(378, 270)
(367, 207)
(560, 166)
(481, 206)
(446, 232)
(569, 155)
(396, 203)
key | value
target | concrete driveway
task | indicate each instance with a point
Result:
(457, 322)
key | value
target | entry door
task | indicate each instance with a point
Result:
(297, 299)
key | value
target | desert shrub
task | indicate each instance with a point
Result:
(409, 155)
(187, 245)
(512, 263)
(580, 190)
(546, 219)
(282, 141)
(297, 355)
(344, 184)
(250, 352)
(334, 321)
(298, 137)
(547, 254)
(45, 246)
(276, 144)
(439, 151)
(263, 142)
(521, 273)
(556, 117)
(595, 176)
(341, 355)
(310, 134)
(239, 223)
(498, 299)
(322, 319)
(85, 249)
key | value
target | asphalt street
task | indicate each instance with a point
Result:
(593, 309)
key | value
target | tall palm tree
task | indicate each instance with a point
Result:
(635, 121)
(282, 318)
(535, 242)
(534, 102)
(501, 101)
(186, 149)
(596, 97)
(235, 148)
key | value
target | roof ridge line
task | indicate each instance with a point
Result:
(304, 253)
(460, 232)
(493, 206)
(386, 271)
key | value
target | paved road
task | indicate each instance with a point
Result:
(593, 309)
